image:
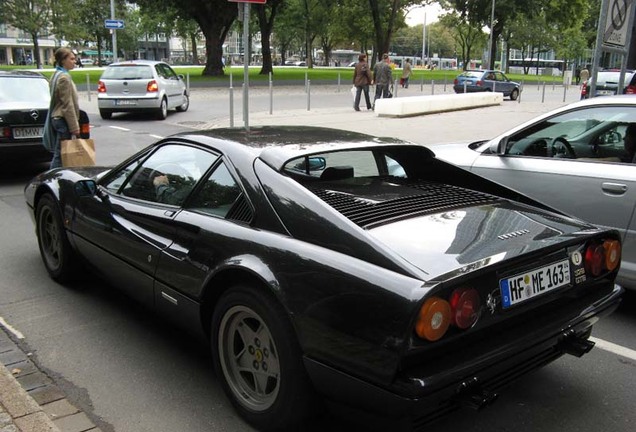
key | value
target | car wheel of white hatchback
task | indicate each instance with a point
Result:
(162, 113)
(185, 105)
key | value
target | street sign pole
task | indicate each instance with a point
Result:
(113, 31)
(246, 66)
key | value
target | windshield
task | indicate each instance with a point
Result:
(127, 72)
(20, 89)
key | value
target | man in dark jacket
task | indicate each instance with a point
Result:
(382, 77)
(361, 80)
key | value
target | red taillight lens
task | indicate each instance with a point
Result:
(630, 90)
(465, 305)
(434, 319)
(455, 82)
(101, 87)
(594, 259)
(583, 90)
(6, 132)
(152, 86)
(478, 83)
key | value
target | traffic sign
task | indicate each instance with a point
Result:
(616, 24)
(114, 24)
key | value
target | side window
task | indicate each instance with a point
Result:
(593, 133)
(217, 194)
(169, 72)
(116, 183)
(168, 175)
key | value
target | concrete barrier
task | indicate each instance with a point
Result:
(418, 105)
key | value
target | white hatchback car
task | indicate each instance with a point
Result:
(141, 86)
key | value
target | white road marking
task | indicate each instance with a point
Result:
(156, 136)
(120, 128)
(615, 349)
(14, 331)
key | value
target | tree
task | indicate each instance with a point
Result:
(32, 17)
(467, 35)
(214, 17)
(265, 15)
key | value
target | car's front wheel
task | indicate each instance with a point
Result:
(162, 112)
(259, 361)
(185, 105)
(55, 249)
(514, 94)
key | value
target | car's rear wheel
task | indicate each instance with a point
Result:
(106, 115)
(185, 105)
(514, 94)
(162, 112)
(56, 251)
(259, 361)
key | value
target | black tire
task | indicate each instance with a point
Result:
(185, 105)
(514, 94)
(106, 115)
(162, 112)
(252, 335)
(56, 251)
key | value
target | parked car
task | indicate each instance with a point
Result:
(573, 158)
(24, 105)
(316, 260)
(486, 80)
(607, 83)
(87, 61)
(141, 86)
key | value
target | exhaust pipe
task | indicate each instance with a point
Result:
(471, 394)
(575, 345)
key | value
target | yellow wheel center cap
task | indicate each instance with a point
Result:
(258, 355)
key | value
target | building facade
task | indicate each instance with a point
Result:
(16, 47)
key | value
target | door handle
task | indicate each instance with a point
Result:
(614, 188)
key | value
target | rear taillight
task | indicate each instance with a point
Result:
(478, 83)
(630, 89)
(6, 132)
(152, 86)
(434, 319)
(602, 256)
(455, 82)
(583, 89)
(101, 87)
(465, 305)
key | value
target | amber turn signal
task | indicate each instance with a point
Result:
(612, 254)
(434, 319)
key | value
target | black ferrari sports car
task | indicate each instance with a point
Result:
(330, 265)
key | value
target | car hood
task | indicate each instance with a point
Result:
(459, 154)
(8, 106)
(452, 242)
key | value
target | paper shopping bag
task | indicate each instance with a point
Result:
(78, 152)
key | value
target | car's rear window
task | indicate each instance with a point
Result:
(127, 72)
(470, 74)
(20, 89)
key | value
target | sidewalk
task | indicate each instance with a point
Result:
(29, 400)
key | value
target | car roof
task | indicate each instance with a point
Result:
(137, 62)
(278, 144)
(21, 74)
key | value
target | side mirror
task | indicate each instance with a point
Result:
(89, 188)
(499, 147)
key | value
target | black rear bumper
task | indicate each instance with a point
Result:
(417, 399)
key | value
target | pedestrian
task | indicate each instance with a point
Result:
(577, 75)
(406, 73)
(64, 115)
(584, 76)
(382, 78)
(361, 80)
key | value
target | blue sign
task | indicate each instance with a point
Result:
(114, 24)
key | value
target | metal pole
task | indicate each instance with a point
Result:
(271, 94)
(395, 88)
(492, 24)
(246, 65)
(308, 88)
(88, 86)
(432, 87)
(113, 31)
(338, 82)
(565, 90)
(231, 101)
(543, 93)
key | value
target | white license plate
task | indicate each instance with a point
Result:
(605, 92)
(28, 132)
(524, 286)
(125, 102)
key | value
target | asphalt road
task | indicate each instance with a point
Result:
(132, 372)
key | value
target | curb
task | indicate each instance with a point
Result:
(29, 400)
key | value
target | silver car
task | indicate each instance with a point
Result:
(578, 158)
(141, 86)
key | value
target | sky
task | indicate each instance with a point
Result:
(416, 15)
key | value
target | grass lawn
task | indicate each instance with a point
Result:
(289, 75)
